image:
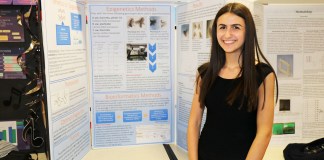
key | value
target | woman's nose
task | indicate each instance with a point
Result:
(228, 32)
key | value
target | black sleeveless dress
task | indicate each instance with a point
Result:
(229, 131)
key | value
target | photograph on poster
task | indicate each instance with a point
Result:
(185, 31)
(284, 105)
(285, 66)
(136, 23)
(158, 23)
(197, 30)
(209, 28)
(283, 128)
(136, 52)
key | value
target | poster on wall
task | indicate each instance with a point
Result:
(9, 69)
(194, 21)
(294, 44)
(64, 36)
(194, 24)
(129, 82)
(131, 51)
(10, 31)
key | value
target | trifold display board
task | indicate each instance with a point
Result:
(118, 74)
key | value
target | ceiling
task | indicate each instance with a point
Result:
(289, 1)
(186, 1)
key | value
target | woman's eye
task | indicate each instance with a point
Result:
(236, 27)
(222, 27)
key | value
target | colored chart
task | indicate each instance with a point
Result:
(8, 131)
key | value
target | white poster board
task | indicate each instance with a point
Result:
(294, 43)
(194, 20)
(131, 50)
(66, 73)
(128, 78)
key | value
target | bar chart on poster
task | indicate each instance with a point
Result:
(9, 69)
(8, 131)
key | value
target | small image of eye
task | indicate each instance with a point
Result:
(152, 22)
(209, 28)
(185, 31)
(130, 22)
(197, 30)
(163, 23)
(140, 22)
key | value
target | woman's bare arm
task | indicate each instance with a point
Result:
(265, 116)
(194, 125)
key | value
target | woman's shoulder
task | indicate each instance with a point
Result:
(263, 69)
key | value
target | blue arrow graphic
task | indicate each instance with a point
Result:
(152, 67)
(152, 57)
(152, 48)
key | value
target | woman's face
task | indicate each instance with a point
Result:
(231, 33)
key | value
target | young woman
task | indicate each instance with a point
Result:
(237, 88)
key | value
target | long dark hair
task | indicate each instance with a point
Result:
(251, 53)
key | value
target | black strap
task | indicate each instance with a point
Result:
(17, 155)
(170, 152)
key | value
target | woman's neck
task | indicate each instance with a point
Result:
(233, 61)
(232, 67)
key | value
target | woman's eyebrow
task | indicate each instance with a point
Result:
(231, 25)
(237, 25)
